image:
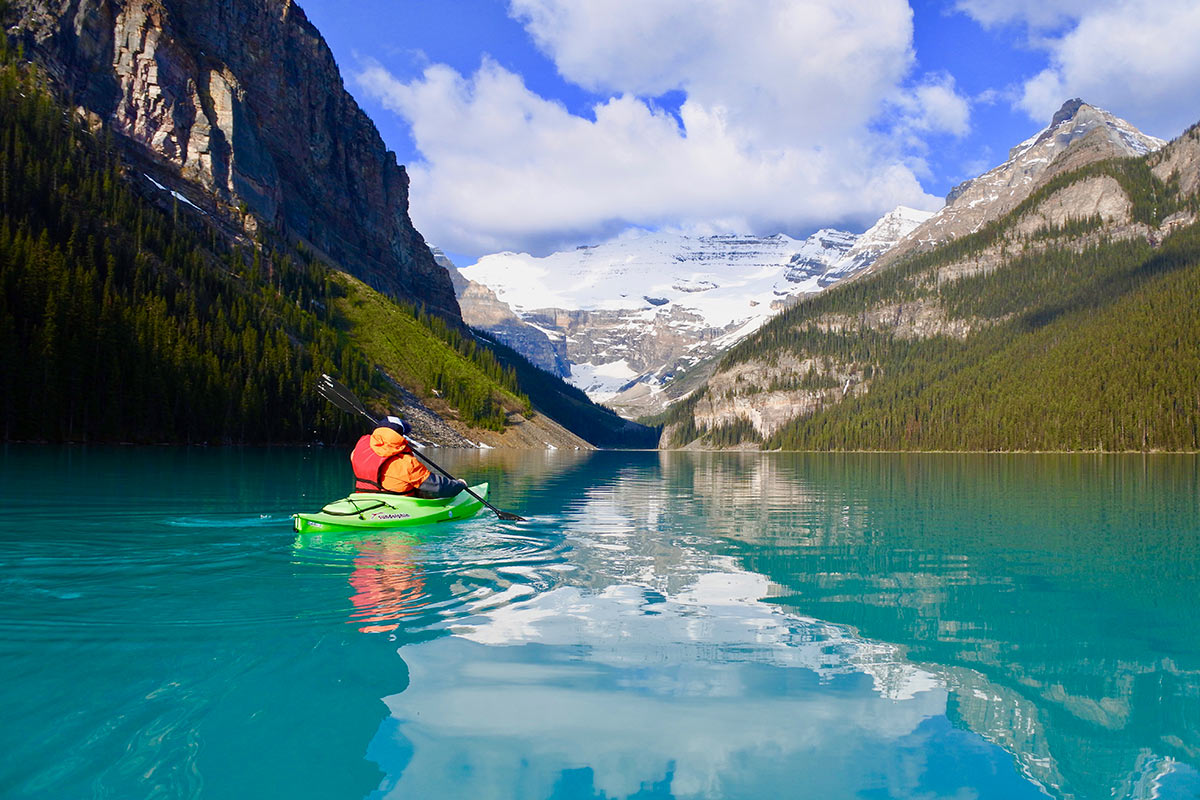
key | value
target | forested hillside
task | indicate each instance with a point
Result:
(121, 320)
(1078, 334)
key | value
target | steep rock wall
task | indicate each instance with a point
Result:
(243, 99)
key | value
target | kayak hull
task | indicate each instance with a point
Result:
(379, 511)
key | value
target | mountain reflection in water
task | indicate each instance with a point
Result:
(724, 625)
(1051, 594)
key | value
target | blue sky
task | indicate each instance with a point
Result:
(535, 125)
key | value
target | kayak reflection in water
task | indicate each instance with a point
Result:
(383, 461)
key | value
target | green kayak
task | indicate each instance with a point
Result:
(379, 511)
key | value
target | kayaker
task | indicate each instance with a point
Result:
(383, 461)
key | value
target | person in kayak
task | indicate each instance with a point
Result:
(383, 461)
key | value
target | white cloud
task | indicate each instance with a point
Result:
(1037, 14)
(1138, 60)
(1135, 58)
(987, 97)
(507, 169)
(935, 106)
(783, 71)
(775, 134)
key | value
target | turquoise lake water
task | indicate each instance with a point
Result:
(664, 626)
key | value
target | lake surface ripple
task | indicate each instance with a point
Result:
(665, 625)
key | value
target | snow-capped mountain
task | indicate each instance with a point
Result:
(874, 242)
(720, 278)
(632, 313)
(813, 258)
(482, 310)
(1078, 134)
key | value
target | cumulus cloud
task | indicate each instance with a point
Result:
(1135, 58)
(783, 71)
(1037, 14)
(935, 106)
(780, 129)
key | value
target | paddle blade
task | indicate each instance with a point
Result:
(341, 397)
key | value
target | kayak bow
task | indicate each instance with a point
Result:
(382, 511)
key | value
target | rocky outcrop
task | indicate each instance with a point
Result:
(482, 309)
(1180, 161)
(770, 394)
(242, 100)
(922, 318)
(1101, 198)
(442, 260)
(643, 344)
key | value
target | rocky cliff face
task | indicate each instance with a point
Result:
(240, 104)
(1180, 161)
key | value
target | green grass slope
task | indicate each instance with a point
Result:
(421, 351)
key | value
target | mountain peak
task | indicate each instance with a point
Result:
(1074, 120)
(1078, 134)
(1068, 111)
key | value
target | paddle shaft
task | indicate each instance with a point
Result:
(343, 398)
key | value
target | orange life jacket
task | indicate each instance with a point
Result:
(383, 462)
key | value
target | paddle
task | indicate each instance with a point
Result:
(344, 399)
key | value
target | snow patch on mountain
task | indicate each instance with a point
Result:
(602, 381)
(642, 307)
(723, 279)
(719, 278)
